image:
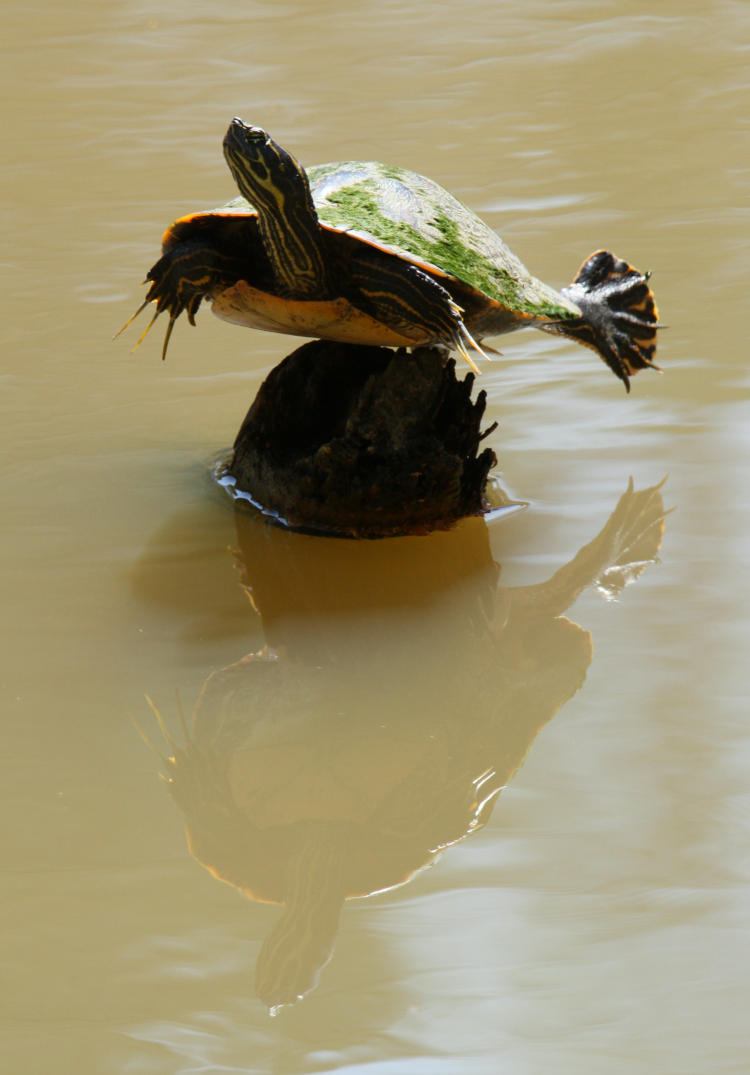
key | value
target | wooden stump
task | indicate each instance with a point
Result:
(364, 442)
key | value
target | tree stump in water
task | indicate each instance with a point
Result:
(364, 442)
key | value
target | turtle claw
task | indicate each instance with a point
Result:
(460, 347)
(175, 308)
(168, 333)
(460, 341)
(146, 330)
(130, 320)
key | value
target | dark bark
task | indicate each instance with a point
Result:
(364, 441)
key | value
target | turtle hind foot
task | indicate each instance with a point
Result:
(619, 314)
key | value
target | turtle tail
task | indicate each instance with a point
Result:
(619, 315)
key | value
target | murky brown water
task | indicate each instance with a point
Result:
(364, 710)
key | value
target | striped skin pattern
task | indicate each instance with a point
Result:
(400, 295)
(619, 314)
(409, 299)
(273, 181)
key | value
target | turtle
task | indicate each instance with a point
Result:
(369, 253)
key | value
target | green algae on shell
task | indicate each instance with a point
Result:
(415, 218)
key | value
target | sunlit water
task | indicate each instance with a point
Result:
(596, 918)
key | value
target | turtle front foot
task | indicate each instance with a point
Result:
(179, 280)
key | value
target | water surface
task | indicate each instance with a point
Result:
(596, 919)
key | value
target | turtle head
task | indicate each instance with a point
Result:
(275, 184)
(265, 174)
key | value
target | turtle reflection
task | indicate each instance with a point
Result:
(360, 743)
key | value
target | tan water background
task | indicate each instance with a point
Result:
(599, 923)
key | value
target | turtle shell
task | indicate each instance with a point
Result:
(418, 220)
(414, 218)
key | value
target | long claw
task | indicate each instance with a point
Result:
(130, 320)
(464, 337)
(145, 332)
(461, 348)
(470, 339)
(168, 333)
